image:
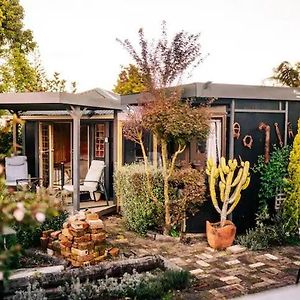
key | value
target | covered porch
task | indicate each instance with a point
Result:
(78, 108)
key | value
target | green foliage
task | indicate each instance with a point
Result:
(33, 292)
(273, 230)
(187, 195)
(287, 74)
(144, 286)
(291, 206)
(268, 232)
(29, 235)
(139, 211)
(272, 175)
(12, 33)
(129, 81)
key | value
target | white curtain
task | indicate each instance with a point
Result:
(213, 144)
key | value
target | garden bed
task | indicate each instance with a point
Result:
(51, 282)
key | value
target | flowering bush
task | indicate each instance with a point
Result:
(22, 207)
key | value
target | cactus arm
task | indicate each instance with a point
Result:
(222, 175)
(242, 181)
(214, 173)
(222, 191)
(235, 203)
(238, 178)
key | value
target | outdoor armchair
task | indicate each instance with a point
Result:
(93, 182)
(16, 170)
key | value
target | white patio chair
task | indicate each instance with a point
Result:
(93, 182)
(16, 170)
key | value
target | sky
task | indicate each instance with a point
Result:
(242, 40)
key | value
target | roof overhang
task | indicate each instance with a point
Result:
(96, 99)
(227, 91)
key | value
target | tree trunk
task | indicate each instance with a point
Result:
(148, 177)
(224, 213)
(164, 154)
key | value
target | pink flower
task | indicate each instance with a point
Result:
(19, 214)
(40, 217)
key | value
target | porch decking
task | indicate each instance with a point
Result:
(95, 206)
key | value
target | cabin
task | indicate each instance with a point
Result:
(237, 111)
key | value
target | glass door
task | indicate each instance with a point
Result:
(46, 153)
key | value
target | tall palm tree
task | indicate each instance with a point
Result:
(287, 74)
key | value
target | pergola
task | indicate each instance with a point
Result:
(75, 105)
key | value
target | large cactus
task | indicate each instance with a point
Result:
(224, 174)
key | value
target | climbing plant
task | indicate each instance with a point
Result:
(272, 175)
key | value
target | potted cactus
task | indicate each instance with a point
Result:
(231, 180)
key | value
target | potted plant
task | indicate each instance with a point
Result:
(221, 235)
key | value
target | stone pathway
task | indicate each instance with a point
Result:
(225, 275)
(218, 274)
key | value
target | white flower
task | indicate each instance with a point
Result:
(40, 217)
(19, 214)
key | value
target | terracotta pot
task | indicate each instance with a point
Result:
(220, 237)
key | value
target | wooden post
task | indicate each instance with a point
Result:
(76, 114)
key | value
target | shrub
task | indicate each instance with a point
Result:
(29, 235)
(145, 286)
(291, 206)
(188, 191)
(272, 175)
(140, 212)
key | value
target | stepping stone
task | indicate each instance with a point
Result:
(257, 265)
(196, 271)
(206, 255)
(270, 256)
(188, 260)
(230, 279)
(178, 261)
(232, 262)
(297, 263)
(210, 249)
(202, 263)
(236, 249)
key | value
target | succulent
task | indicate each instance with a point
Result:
(232, 178)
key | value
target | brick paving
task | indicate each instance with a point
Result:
(217, 274)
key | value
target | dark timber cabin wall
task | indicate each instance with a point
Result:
(249, 106)
(249, 113)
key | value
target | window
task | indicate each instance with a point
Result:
(99, 141)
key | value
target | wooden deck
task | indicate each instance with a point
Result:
(100, 207)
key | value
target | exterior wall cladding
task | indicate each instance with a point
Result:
(249, 106)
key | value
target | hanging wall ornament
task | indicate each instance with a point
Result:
(248, 141)
(266, 128)
(236, 130)
(290, 130)
(278, 134)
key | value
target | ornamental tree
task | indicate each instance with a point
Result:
(162, 111)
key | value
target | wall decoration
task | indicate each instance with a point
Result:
(279, 137)
(290, 130)
(266, 128)
(248, 141)
(236, 130)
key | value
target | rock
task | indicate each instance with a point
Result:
(50, 252)
(236, 249)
